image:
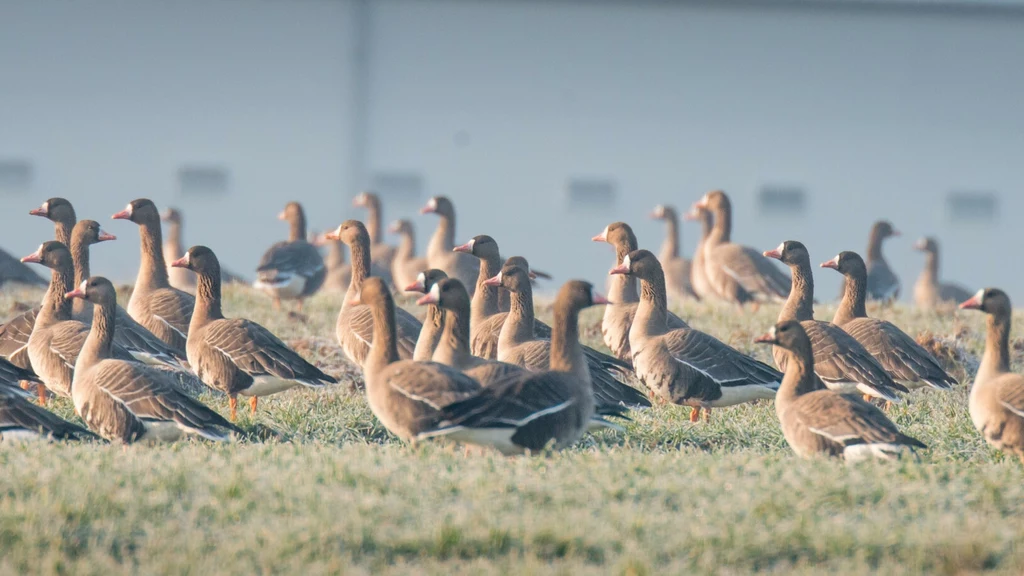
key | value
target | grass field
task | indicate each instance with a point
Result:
(333, 493)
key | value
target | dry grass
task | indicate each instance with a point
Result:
(335, 494)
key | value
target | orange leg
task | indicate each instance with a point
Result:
(252, 404)
(694, 414)
(867, 397)
(26, 385)
(233, 403)
(41, 391)
(707, 414)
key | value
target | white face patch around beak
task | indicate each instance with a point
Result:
(980, 297)
(471, 243)
(82, 285)
(435, 292)
(499, 277)
(128, 209)
(45, 207)
(626, 262)
(187, 258)
(432, 203)
(421, 279)
(781, 249)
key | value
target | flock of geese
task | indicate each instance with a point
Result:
(481, 369)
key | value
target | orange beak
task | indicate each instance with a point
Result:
(972, 303)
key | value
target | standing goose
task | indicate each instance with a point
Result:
(338, 273)
(354, 327)
(677, 269)
(882, 281)
(439, 251)
(825, 422)
(162, 310)
(56, 338)
(929, 293)
(405, 266)
(619, 314)
(686, 366)
(130, 335)
(405, 395)
(292, 269)
(535, 410)
(382, 255)
(996, 402)
(174, 247)
(698, 270)
(235, 355)
(486, 319)
(519, 344)
(128, 401)
(903, 358)
(840, 361)
(453, 348)
(433, 323)
(737, 274)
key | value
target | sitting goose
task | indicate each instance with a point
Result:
(129, 401)
(929, 293)
(405, 266)
(174, 247)
(382, 255)
(738, 274)
(686, 366)
(618, 316)
(840, 361)
(23, 420)
(292, 269)
(433, 323)
(453, 348)
(538, 409)
(677, 269)
(698, 271)
(57, 339)
(405, 395)
(996, 403)
(13, 271)
(824, 422)
(338, 273)
(235, 355)
(903, 358)
(519, 344)
(161, 309)
(440, 250)
(354, 327)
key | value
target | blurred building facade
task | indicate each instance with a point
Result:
(544, 121)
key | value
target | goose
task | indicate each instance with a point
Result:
(406, 396)
(996, 402)
(21, 420)
(686, 366)
(440, 252)
(929, 293)
(883, 284)
(128, 401)
(903, 358)
(338, 274)
(840, 361)
(618, 316)
(405, 266)
(13, 272)
(453, 348)
(698, 271)
(737, 274)
(161, 309)
(354, 327)
(519, 344)
(57, 339)
(677, 269)
(535, 410)
(235, 355)
(818, 421)
(174, 247)
(382, 255)
(433, 323)
(62, 214)
(17, 380)
(292, 269)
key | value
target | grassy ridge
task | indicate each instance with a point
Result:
(335, 494)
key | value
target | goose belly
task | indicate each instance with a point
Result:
(267, 385)
(290, 286)
(733, 395)
(22, 435)
(161, 431)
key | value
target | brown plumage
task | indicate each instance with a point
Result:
(536, 410)
(698, 271)
(903, 358)
(840, 361)
(406, 265)
(737, 274)
(338, 272)
(291, 269)
(486, 313)
(622, 293)
(929, 292)
(354, 327)
(382, 255)
(996, 402)
(129, 401)
(161, 309)
(676, 268)
(519, 344)
(440, 249)
(174, 247)
(883, 284)
(433, 323)
(405, 395)
(686, 366)
(235, 355)
(824, 422)
(20, 419)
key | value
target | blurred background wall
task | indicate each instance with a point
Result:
(544, 121)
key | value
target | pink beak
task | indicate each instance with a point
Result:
(122, 215)
(180, 263)
(496, 281)
(831, 264)
(600, 238)
(414, 287)
(332, 235)
(38, 212)
(104, 236)
(464, 248)
(76, 293)
(282, 216)
(34, 257)
(599, 299)
(765, 339)
(972, 303)
(427, 298)
(620, 269)
(427, 210)
(895, 232)
(773, 253)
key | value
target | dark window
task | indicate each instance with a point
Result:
(15, 175)
(782, 200)
(399, 186)
(592, 193)
(968, 206)
(197, 179)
